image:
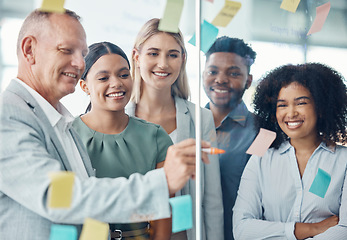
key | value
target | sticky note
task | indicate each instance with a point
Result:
(290, 5)
(320, 183)
(94, 229)
(53, 6)
(210, 1)
(321, 15)
(262, 142)
(60, 189)
(208, 35)
(182, 216)
(63, 232)
(172, 15)
(227, 13)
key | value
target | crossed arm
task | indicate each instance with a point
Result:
(249, 222)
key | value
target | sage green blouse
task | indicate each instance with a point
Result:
(137, 149)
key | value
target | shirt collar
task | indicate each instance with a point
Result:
(53, 115)
(238, 114)
(286, 146)
(327, 148)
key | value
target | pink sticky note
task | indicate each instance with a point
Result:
(262, 142)
(321, 15)
(210, 1)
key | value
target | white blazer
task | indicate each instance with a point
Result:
(211, 191)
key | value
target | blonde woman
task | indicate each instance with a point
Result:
(160, 94)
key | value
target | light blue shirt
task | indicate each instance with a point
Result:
(234, 135)
(272, 196)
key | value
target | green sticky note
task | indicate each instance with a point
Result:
(208, 35)
(182, 217)
(53, 6)
(320, 183)
(63, 232)
(172, 15)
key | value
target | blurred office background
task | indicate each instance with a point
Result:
(278, 36)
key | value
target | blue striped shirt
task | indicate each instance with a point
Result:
(234, 135)
(272, 196)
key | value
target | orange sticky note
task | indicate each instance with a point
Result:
(94, 229)
(227, 13)
(262, 142)
(53, 6)
(321, 15)
(60, 189)
(290, 5)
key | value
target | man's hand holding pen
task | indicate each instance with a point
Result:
(179, 164)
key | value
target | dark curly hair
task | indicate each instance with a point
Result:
(328, 89)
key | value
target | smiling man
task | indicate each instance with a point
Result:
(226, 77)
(36, 139)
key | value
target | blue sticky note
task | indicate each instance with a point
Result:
(63, 232)
(208, 35)
(182, 218)
(320, 183)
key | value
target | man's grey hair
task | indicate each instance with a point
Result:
(36, 21)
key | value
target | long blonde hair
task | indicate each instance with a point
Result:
(180, 87)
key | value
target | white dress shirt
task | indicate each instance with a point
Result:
(272, 196)
(61, 120)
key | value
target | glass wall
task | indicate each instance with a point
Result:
(278, 36)
(8, 39)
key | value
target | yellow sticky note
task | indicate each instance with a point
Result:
(290, 5)
(94, 229)
(60, 190)
(172, 15)
(53, 6)
(227, 13)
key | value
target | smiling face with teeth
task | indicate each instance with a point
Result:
(160, 61)
(225, 80)
(295, 113)
(58, 57)
(109, 84)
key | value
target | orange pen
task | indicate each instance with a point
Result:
(213, 150)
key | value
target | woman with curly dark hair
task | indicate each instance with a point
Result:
(298, 189)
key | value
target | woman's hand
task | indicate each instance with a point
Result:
(306, 230)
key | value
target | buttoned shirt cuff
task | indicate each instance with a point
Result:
(289, 230)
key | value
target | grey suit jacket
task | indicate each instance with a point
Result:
(29, 150)
(211, 191)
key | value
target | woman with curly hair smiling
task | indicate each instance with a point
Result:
(298, 189)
